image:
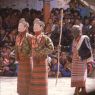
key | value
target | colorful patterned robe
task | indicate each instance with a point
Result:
(23, 50)
(79, 67)
(41, 47)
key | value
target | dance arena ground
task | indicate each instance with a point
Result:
(8, 86)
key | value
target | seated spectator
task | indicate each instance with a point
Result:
(12, 37)
(10, 68)
(2, 37)
(6, 50)
(54, 67)
(63, 58)
(66, 71)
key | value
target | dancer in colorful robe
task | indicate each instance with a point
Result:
(23, 53)
(41, 47)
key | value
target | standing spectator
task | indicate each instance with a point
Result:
(79, 22)
(84, 10)
(67, 38)
(81, 51)
(86, 27)
(55, 32)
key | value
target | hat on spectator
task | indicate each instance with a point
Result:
(23, 21)
(38, 21)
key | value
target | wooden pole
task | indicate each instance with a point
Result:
(46, 9)
(59, 46)
(60, 4)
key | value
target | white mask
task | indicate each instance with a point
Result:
(21, 27)
(37, 27)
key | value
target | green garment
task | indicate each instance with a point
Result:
(25, 48)
(45, 48)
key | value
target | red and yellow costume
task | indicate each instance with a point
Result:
(41, 47)
(23, 50)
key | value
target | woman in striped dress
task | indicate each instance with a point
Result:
(79, 66)
(23, 50)
(41, 47)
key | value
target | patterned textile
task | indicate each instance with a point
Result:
(24, 75)
(39, 78)
(41, 47)
(79, 68)
(24, 69)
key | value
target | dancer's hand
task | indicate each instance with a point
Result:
(29, 35)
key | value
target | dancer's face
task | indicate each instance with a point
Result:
(37, 28)
(21, 27)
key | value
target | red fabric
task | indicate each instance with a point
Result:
(37, 33)
(79, 69)
(39, 77)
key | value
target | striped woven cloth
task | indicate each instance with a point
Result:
(24, 75)
(79, 69)
(39, 84)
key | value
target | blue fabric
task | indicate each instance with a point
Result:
(55, 67)
(65, 72)
(84, 11)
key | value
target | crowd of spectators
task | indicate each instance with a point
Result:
(76, 14)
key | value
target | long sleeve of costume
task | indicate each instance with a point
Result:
(16, 51)
(23, 54)
(25, 48)
(48, 48)
(45, 48)
(41, 47)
